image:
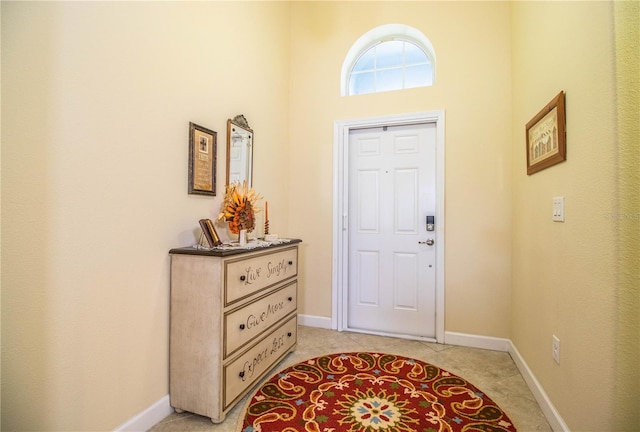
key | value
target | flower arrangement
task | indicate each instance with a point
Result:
(238, 207)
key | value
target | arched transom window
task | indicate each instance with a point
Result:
(390, 57)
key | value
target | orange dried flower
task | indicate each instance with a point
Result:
(238, 207)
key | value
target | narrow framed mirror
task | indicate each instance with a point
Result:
(239, 151)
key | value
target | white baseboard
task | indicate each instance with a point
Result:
(476, 341)
(498, 344)
(550, 412)
(159, 410)
(147, 418)
(315, 321)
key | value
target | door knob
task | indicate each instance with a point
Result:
(429, 242)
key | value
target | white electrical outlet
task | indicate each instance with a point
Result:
(558, 209)
(555, 349)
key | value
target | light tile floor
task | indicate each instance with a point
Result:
(493, 372)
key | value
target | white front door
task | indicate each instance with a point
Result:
(391, 255)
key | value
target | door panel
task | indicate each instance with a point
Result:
(368, 207)
(405, 196)
(391, 191)
(406, 283)
(368, 289)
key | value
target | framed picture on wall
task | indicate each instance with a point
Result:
(546, 136)
(202, 160)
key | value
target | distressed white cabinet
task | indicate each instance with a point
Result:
(233, 317)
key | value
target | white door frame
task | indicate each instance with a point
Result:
(341, 129)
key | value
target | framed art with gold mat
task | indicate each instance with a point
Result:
(202, 160)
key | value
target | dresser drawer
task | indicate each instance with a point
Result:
(243, 372)
(246, 323)
(247, 276)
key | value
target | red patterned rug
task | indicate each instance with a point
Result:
(370, 392)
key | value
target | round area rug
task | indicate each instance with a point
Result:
(370, 392)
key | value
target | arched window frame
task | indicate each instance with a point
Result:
(384, 33)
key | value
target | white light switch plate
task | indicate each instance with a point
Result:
(558, 209)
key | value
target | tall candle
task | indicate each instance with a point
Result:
(266, 210)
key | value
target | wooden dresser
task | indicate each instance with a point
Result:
(233, 317)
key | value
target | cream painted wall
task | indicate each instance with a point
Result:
(565, 275)
(627, 352)
(472, 86)
(96, 102)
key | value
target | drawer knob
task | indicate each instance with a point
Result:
(290, 298)
(290, 262)
(243, 277)
(241, 326)
(289, 334)
(241, 374)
